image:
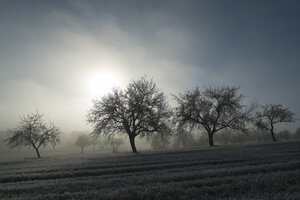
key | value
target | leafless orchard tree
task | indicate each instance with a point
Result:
(214, 109)
(271, 114)
(83, 141)
(140, 109)
(115, 143)
(31, 130)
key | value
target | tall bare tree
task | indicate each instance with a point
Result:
(271, 114)
(214, 109)
(31, 130)
(83, 141)
(140, 109)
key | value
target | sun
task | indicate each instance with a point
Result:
(101, 83)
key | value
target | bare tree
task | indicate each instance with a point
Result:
(140, 109)
(32, 131)
(214, 109)
(271, 114)
(115, 143)
(83, 141)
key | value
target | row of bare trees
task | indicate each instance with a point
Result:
(84, 141)
(142, 109)
(183, 139)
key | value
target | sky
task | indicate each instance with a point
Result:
(55, 56)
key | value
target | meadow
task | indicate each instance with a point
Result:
(264, 171)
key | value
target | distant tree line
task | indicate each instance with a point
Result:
(141, 109)
(112, 143)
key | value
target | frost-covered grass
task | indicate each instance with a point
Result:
(270, 171)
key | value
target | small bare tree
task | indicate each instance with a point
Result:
(115, 143)
(214, 109)
(271, 114)
(141, 109)
(32, 131)
(83, 141)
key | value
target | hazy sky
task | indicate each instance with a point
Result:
(56, 55)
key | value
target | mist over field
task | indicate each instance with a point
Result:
(255, 172)
(137, 99)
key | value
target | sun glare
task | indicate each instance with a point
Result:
(101, 83)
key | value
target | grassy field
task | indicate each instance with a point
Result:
(270, 171)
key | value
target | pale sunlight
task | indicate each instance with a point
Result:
(100, 83)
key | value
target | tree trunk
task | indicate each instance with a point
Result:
(131, 139)
(273, 136)
(82, 149)
(210, 139)
(37, 152)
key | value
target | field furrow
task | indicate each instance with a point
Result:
(235, 173)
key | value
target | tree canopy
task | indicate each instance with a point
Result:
(213, 109)
(271, 114)
(140, 109)
(31, 130)
(83, 141)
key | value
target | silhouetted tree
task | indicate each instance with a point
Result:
(140, 109)
(32, 131)
(214, 109)
(271, 114)
(83, 141)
